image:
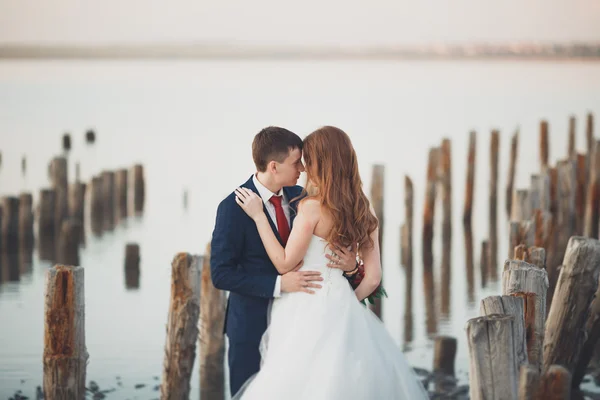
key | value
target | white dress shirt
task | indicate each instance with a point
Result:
(266, 195)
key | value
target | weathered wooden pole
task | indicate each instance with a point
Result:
(377, 201)
(544, 145)
(577, 283)
(514, 148)
(58, 176)
(521, 205)
(23, 165)
(77, 202)
(522, 232)
(182, 327)
(65, 353)
(212, 348)
(139, 188)
(90, 136)
(589, 133)
(555, 384)
(572, 137)
(10, 224)
(470, 181)
(26, 234)
(444, 353)
(66, 142)
(121, 191)
(108, 192)
(96, 205)
(515, 306)
(581, 193)
(132, 266)
(470, 261)
(529, 382)
(493, 204)
(428, 223)
(492, 366)
(531, 255)
(68, 242)
(445, 177)
(47, 224)
(531, 283)
(407, 242)
(593, 195)
(484, 262)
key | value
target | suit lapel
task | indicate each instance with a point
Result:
(290, 193)
(250, 185)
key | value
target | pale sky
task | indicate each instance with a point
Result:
(310, 22)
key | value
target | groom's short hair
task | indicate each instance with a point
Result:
(273, 144)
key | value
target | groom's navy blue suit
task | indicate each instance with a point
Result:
(239, 263)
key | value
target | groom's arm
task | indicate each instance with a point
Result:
(226, 250)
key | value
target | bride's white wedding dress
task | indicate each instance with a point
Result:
(328, 345)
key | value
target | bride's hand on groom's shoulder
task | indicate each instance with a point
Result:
(250, 202)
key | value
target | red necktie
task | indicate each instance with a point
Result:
(282, 223)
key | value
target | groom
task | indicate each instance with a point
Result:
(239, 262)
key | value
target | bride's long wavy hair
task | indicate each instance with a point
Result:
(333, 177)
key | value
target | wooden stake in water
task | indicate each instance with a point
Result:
(68, 242)
(593, 195)
(182, 327)
(47, 224)
(492, 366)
(26, 234)
(493, 204)
(572, 147)
(544, 145)
(121, 191)
(96, 205)
(577, 284)
(581, 193)
(10, 224)
(407, 242)
(377, 196)
(108, 207)
(60, 184)
(428, 220)
(514, 147)
(555, 383)
(65, 353)
(445, 174)
(77, 202)
(484, 262)
(139, 188)
(132, 265)
(470, 181)
(212, 342)
(529, 382)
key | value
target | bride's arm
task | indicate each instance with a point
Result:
(284, 259)
(372, 262)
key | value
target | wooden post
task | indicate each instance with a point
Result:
(445, 178)
(10, 224)
(90, 136)
(577, 283)
(521, 205)
(139, 188)
(377, 201)
(470, 182)
(121, 189)
(484, 262)
(58, 171)
(493, 214)
(530, 282)
(47, 224)
(592, 336)
(132, 266)
(492, 366)
(407, 242)
(469, 259)
(66, 142)
(593, 195)
(182, 327)
(514, 147)
(68, 242)
(428, 222)
(77, 201)
(26, 220)
(96, 205)
(23, 165)
(529, 383)
(515, 306)
(572, 137)
(581, 193)
(212, 353)
(555, 384)
(589, 133)
(531, 255)
(65, 353)
(521, 233)
(108, 191)
(544, 145)
(444, 352)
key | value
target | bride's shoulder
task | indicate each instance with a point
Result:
(309, 205)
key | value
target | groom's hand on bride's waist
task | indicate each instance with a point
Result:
(300, 281)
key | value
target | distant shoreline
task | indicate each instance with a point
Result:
(523, 52)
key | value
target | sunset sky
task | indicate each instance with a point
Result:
(307, 22)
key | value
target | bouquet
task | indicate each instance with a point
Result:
(379, 291)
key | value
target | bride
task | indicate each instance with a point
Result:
(327, 345)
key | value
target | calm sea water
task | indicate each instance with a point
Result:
(191, 125)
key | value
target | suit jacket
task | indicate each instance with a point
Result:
(240, 264)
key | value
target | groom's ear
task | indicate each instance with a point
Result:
(272, 166)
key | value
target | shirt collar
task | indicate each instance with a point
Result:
(265, 193)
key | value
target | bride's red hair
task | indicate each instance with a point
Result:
(333, 177)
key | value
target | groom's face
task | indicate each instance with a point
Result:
(288, 172)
